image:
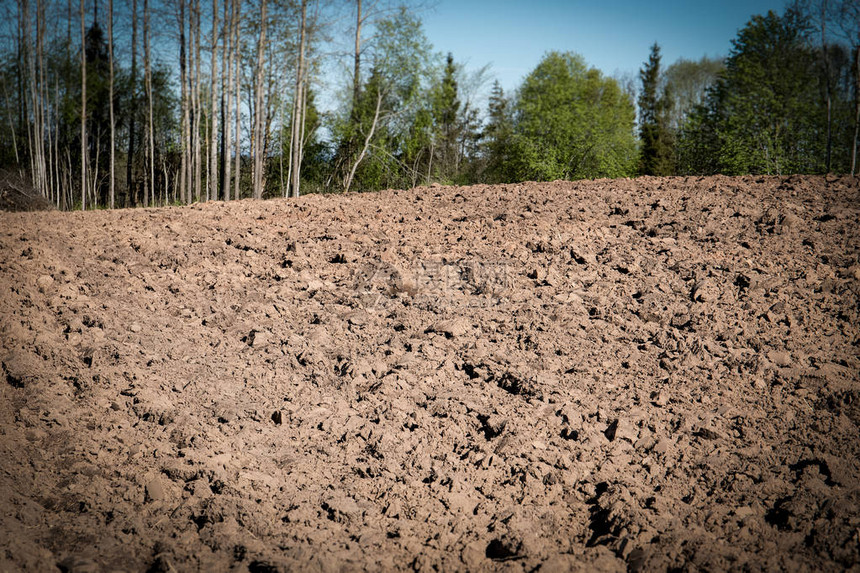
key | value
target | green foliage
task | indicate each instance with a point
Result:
(445, 101)
(761, 110)
(570, 123)
(497, 136)
(686, 83)
(62, 99)
(772, 123)
(418, 145)
(316, 160)
(423, 129)
(401, 59)
(649, 96)
(699, 139)
(316, 155)
(469, 162)
(764, 115)
(446, 107)
(844, 91)
(657, 139)
(370, 174)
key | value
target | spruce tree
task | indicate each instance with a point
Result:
(497, 135)
(656, 156)
(446, 106)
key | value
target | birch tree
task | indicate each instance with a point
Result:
(83, 110)
(257, 135)
(149, 190)
(132, 120)
(238, 124)
(296, 137)
(196, 104)
(112, 119)
(39, 107)
(213, 117)
(184, 180)
(229, 97)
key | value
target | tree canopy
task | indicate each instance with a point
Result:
(571, 122)
(176, 102)
(766, 112)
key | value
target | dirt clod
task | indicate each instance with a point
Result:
(632, 375)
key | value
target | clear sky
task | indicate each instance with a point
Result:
(612, 35)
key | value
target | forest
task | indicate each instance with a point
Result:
(123, 103)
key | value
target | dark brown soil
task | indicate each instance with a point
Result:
(631, 375)
(17, 194)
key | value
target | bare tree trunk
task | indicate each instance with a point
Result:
(57, 162)
(430, 161)
(304, 122)
(298, 114)
(165, 174)
(193, 191)
(23, 41)
(26, 80)
(83, 110)
(184, 191)
(292, 145)
(198, 109)
(351, 143)
(35, 74)
(856, 109)
(149, 191)
(68, 198)
(51, 158)
(297, 143)
(11, 113)
(237, 111)
(225, 50)
(146, 160)
(94, 199)
(43, 97)
(213, 122)
(367, 139)
(356, 70)
(257, 152)
(281, 154)
(228, 124)
(829, 89)
(39, 107)
(112, 121)
(236, 92)
(132, 127)
(269, 114)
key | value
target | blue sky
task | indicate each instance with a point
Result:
(612, 35)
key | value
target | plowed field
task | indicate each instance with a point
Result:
(612, 375)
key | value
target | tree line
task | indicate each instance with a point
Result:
(784, 101)
(118, 103)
